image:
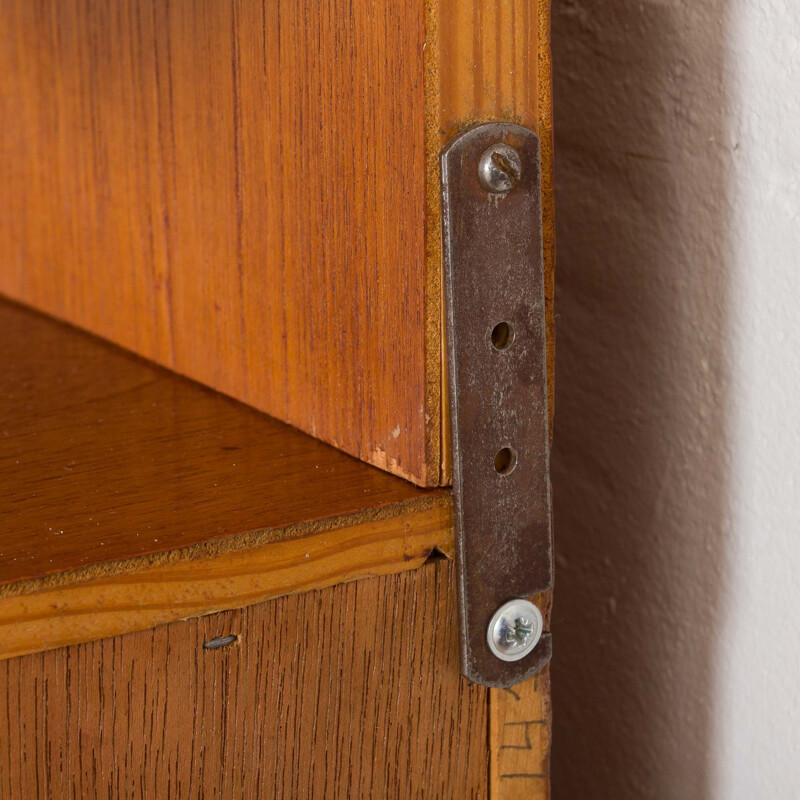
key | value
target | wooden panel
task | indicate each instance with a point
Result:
(352, 692)
(236, 190)
(248, 192)
(486, 59)
(104, 457)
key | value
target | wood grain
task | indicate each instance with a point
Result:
(137, 177)
(248, 192)
(104, 457)
(41, 615)
(351, 692)
(235, 190)
(520, 722)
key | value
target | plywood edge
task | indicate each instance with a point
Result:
(224, 545)
(545, 131)
(143, 595)
(484, 61)
(436, 398)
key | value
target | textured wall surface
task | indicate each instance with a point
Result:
(677, 515)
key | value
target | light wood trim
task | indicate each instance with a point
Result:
(488, 60)
(519, 740)
(131, 601)
(485, 60)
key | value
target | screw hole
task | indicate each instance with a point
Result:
(502, 336)
(505, 460)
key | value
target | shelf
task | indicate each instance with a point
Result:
(130, 496)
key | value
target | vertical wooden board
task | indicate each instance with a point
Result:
(520, 732)
(348, 692)
(491, 60)
(520, 728)
(487, 60)
(235, 190)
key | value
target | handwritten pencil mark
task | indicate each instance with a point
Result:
(527, 726)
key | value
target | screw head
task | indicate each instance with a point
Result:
(514, 630)
(499, 168)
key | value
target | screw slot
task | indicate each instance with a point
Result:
(500, 169)
(506, 460)
(502, 336)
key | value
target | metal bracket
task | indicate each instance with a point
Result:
(494, 288)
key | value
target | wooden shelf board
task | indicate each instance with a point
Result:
(142, 596)
(111, 465)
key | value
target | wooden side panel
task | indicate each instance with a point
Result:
(351, 692)
(248, 192)
(235, 189)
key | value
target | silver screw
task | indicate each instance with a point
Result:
(500, 169)
(519, 632)
(514, 630)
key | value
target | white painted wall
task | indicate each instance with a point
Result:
(676, 471)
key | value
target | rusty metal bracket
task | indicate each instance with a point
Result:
(494, 291)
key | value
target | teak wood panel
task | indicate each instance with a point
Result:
(351, 692)
(474, 55)
(235, 190)
(248, 191)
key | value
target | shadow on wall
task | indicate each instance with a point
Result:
(639, 466)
